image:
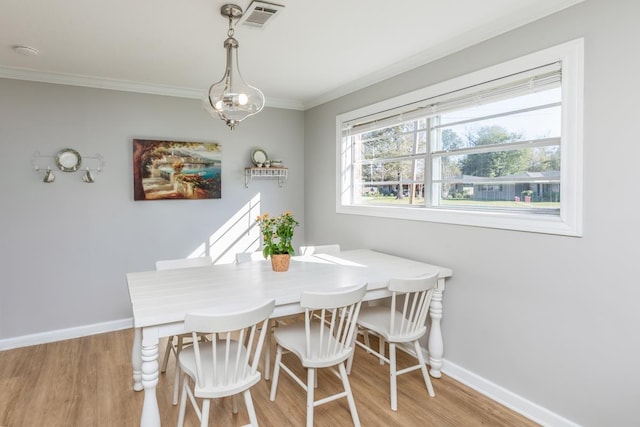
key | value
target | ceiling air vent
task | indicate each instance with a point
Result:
(259, 13)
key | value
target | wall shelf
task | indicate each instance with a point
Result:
(260, 173)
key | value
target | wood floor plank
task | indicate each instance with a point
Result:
(87, 382)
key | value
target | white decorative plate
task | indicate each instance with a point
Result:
(68, 160)
(259, 156)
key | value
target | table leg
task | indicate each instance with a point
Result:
(436, 345)
(136, 359)
(267, 351)
(150, 412)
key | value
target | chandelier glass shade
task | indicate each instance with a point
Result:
(231, 98)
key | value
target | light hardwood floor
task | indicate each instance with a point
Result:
(87, 382)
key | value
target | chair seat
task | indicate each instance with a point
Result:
(188, 366)
(293, 338)
(376, 319)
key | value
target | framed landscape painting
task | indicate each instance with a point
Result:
(176, 170)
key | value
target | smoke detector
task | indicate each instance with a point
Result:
(259, 14)
(25, 50)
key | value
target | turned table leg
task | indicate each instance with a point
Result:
(136, 359)
(436, 344)
(150, 412)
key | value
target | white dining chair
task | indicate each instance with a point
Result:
(227, 365)
(401, 324)
(331, 249)
(168, 264)
(324, 340)
(176, 342)
(242, 257)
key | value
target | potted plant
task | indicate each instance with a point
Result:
(526, 195)
(277, 236)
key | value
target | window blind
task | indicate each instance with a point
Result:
(534, 80)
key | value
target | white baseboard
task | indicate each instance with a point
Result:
(65, 334)
(505, 397)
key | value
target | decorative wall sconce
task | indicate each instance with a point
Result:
(49, 176)
(68, 160)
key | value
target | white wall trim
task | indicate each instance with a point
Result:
(65, 334)
(505, 397)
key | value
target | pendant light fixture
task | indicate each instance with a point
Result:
(232, 99)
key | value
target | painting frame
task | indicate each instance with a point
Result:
(176, 170)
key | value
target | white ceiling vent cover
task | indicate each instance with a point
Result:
(259, 14)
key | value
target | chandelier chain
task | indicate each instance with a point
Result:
(231, 30)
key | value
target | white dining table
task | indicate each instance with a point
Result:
(160, 300)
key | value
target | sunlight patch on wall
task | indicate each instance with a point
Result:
(239, 233)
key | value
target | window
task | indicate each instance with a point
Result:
(498, 148)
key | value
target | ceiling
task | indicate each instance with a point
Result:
(311, 52)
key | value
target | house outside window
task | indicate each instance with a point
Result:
(498, 148)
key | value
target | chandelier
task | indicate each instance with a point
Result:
(233, 99)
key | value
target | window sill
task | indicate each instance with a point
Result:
(499, 220)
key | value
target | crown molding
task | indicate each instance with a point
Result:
(124, 85)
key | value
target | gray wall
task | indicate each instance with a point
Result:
(67, 246)
(553, 319)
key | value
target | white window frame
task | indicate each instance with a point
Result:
(569, 222)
